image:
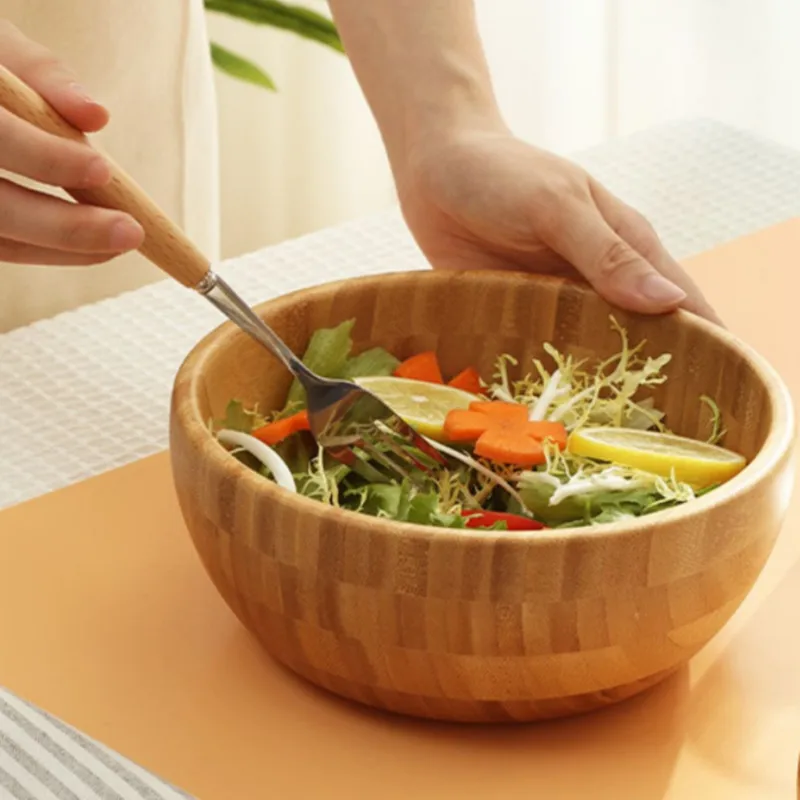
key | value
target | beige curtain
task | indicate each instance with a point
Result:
(307, 156)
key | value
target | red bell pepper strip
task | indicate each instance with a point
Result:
(485, 519)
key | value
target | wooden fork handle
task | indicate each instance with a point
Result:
(165, 244)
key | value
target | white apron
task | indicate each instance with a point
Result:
(147, 62)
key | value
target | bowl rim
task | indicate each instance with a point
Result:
(777, 446)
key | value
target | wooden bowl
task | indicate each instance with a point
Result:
(481, 626)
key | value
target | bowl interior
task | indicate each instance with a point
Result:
(471, 318)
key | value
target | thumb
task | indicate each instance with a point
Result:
(51, 78)
(618, 272)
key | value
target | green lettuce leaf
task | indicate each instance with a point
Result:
(403, 503)
(326, 354)
(380, 499)
(370, 363)
(238, 418)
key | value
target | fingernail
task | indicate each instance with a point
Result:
(126, 235)
(98, 173)
(83, 93)
(659, 290)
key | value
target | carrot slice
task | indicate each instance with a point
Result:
(499, 409)
(555, 431)
(502, 433)
(465, 426)
(274, 432)
(515, 413)
(507, 447)
(421, 367)
(468, 380)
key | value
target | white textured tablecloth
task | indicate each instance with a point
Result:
(89, 390)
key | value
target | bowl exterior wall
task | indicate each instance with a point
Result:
(450, 628)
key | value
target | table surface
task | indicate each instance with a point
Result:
(88, 390)
(151, 661)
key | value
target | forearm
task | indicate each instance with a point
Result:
(421, 66)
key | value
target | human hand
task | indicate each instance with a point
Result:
(483, 199)
(36, 227)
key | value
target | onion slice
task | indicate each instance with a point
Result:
(264, 453)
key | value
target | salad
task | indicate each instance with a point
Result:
(569, 443)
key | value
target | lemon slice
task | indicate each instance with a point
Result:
(422, 405)
(696, 463)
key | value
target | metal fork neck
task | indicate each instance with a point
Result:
(220, 295)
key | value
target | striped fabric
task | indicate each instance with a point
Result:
(42, 758)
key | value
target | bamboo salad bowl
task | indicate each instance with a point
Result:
(472, 625)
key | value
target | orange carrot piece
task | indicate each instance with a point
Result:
(502, 433)
(468, 380)
(274, 432)
(555, 431)
(465, 426)
(514, 413)
(421, 367)
(508, 447)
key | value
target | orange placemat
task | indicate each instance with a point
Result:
(108, 620)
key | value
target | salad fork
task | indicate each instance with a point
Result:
(342, 414)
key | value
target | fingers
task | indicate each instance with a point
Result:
(30, 152)
(614, 268)
(36, 228)
(33, 218)
(631, 226)
(58, 85)
(42, 71)
(19, 253)
(49, 159)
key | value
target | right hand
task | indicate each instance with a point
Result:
(484, 199)
(35, 227)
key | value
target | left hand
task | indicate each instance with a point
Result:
(484, 199)
(36, 227)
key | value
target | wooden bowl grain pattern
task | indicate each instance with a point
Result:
(481, 626)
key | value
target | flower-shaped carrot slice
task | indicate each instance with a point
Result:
(502, 433)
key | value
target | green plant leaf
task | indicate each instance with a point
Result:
(302, 21)
(241, 68)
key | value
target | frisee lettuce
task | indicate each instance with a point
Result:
(717, 433)
(573, 488)
(576, 395)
